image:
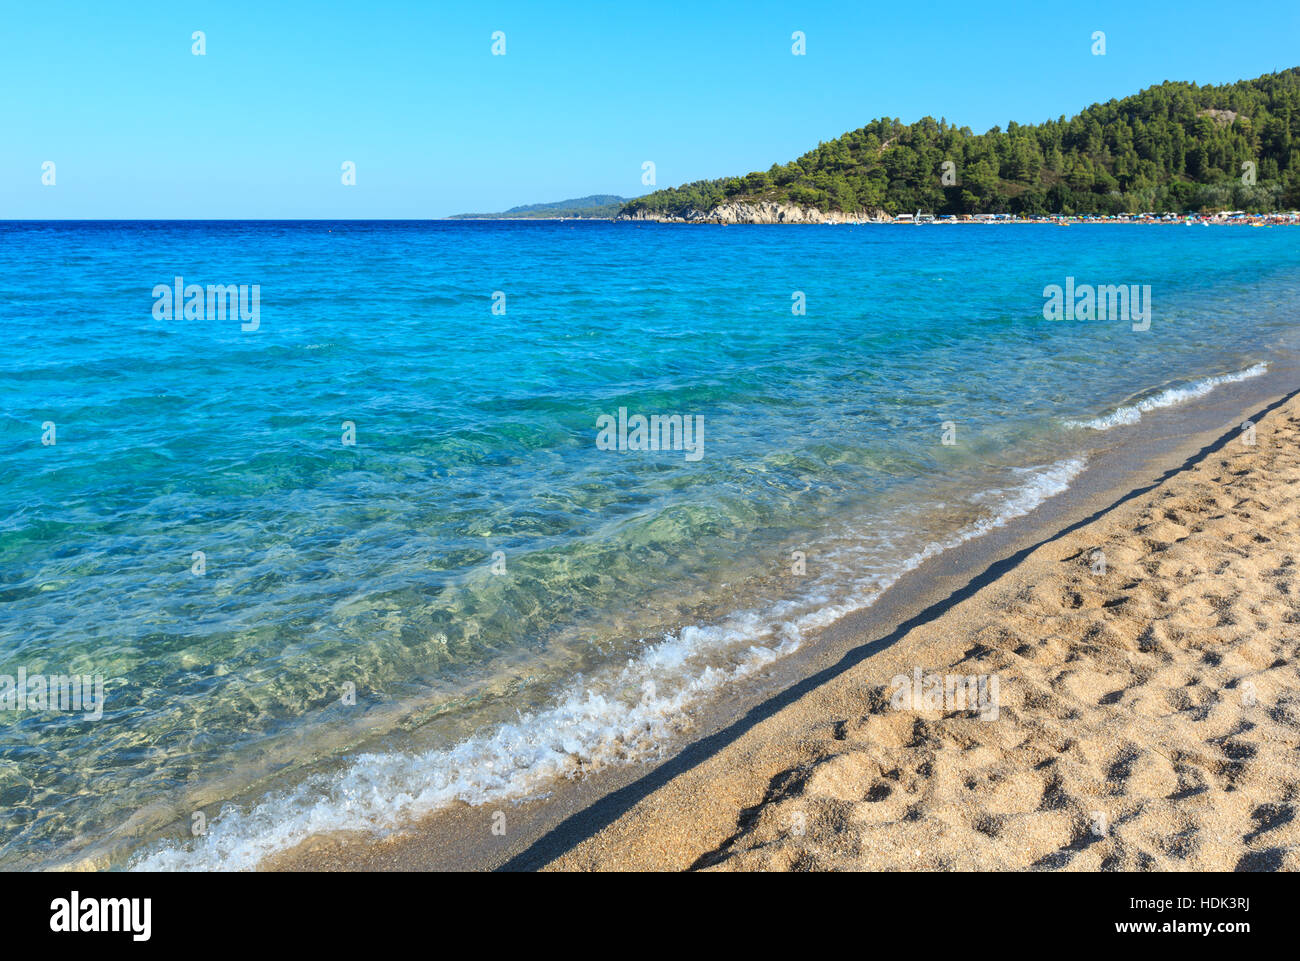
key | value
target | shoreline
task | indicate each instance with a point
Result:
(1148, 717)
(539, 831)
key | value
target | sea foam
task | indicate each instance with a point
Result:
(1170, 397)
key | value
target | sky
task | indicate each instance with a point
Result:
(259, 126)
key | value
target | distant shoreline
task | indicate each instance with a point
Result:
(1289, 219)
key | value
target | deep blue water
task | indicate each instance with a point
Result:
(496, 588)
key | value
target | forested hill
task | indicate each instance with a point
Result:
(1173, 147)
(601, 206)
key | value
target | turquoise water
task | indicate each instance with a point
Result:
(509, 601)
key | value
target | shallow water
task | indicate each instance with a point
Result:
(629, 584)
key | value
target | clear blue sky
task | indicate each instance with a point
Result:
(409, 91)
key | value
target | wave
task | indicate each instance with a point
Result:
(1132, 413)
(623, 716)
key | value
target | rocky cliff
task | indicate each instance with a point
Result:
(757, 212)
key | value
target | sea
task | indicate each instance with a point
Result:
(422, 513)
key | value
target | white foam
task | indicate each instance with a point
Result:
(629, 718)
(630, 714)
(1132, 413)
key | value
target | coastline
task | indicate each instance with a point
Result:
(795, 215)
(768, 213)
(1148, 717)
(632, 816)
